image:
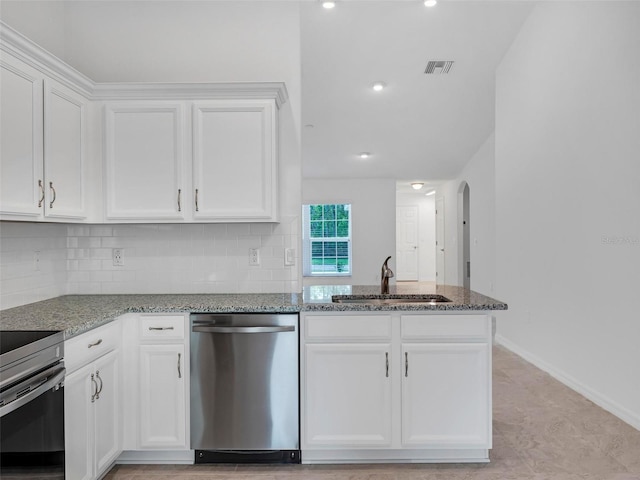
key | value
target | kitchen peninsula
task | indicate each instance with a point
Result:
(403, 382)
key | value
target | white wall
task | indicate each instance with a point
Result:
(23, 279)
(373, 228)
(426, 232)
(568, 198)
(479, 174)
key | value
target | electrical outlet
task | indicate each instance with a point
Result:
(254, 256)
(118, 257)
(289, 256)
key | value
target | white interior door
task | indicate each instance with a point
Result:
(407, 243)
(440, 276)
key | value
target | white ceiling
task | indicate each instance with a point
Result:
(420, 127)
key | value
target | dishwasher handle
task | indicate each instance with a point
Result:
(256, 329)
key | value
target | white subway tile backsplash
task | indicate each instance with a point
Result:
(199, 258)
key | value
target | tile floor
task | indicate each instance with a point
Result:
(542, 431)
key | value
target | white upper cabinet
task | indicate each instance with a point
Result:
(234, 160)
(156, 152)
(21, 139)
(218, 166)
(64, 151)
(43, 152)
(144, 161)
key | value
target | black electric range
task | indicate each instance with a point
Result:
(32, 404)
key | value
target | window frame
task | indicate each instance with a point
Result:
(307, 241)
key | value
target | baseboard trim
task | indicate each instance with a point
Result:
(596, 397)
(171, 457)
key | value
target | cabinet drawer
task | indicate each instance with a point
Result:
(162, 327)
(363, 327)
(444, 327)
(85, 348)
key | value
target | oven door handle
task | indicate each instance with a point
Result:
(54, 377)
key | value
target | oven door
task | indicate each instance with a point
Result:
(32, 426)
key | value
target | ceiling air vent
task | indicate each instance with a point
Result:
(438, 67)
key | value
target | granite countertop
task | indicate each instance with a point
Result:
(75, 314)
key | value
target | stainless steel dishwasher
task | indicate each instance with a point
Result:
(244, 388)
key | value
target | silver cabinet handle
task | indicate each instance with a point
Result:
(406, 364)
(179, 195)
(179, 371)
(386, 354)
(160, 328)
(100, 389)
(94, 395)
(272, 329)
(41, 193)
(53, 191)
(95, 344)
(197, 209)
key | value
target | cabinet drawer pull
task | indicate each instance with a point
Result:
(160, 328)
(53, 192)
(95, 391)
(179, 370)
(99, 389)
(406, 364)
(41, 193)
(386, 354)
(179, 195)
(95, 344)
(197, 209)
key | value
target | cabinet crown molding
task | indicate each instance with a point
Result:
(16, 44)
(181, 91)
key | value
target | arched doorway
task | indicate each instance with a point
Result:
(464, 235)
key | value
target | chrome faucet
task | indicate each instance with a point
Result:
(385, 275)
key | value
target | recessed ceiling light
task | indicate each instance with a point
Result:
(430, 3)
(364, 155)
(417, 185)
(379, 86)
(328, 5)
(432, 192)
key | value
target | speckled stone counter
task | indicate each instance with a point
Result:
(75, 314)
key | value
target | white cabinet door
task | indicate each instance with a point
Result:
(347, 395)
(64, 151)
(21, 139)
(144, 161)
(79, 424)
(107, 411)
(235, 160)
(446, 395)
(161, 412)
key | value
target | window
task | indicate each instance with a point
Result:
(326, 239)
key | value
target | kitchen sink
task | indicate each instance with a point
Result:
(390, 299)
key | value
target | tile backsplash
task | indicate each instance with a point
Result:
(158, 258)
(33, 262)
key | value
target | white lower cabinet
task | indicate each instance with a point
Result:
(396, 387)
(348, 393)
(92, 403)
(162, 412)
(445, 395)
(156, 414)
